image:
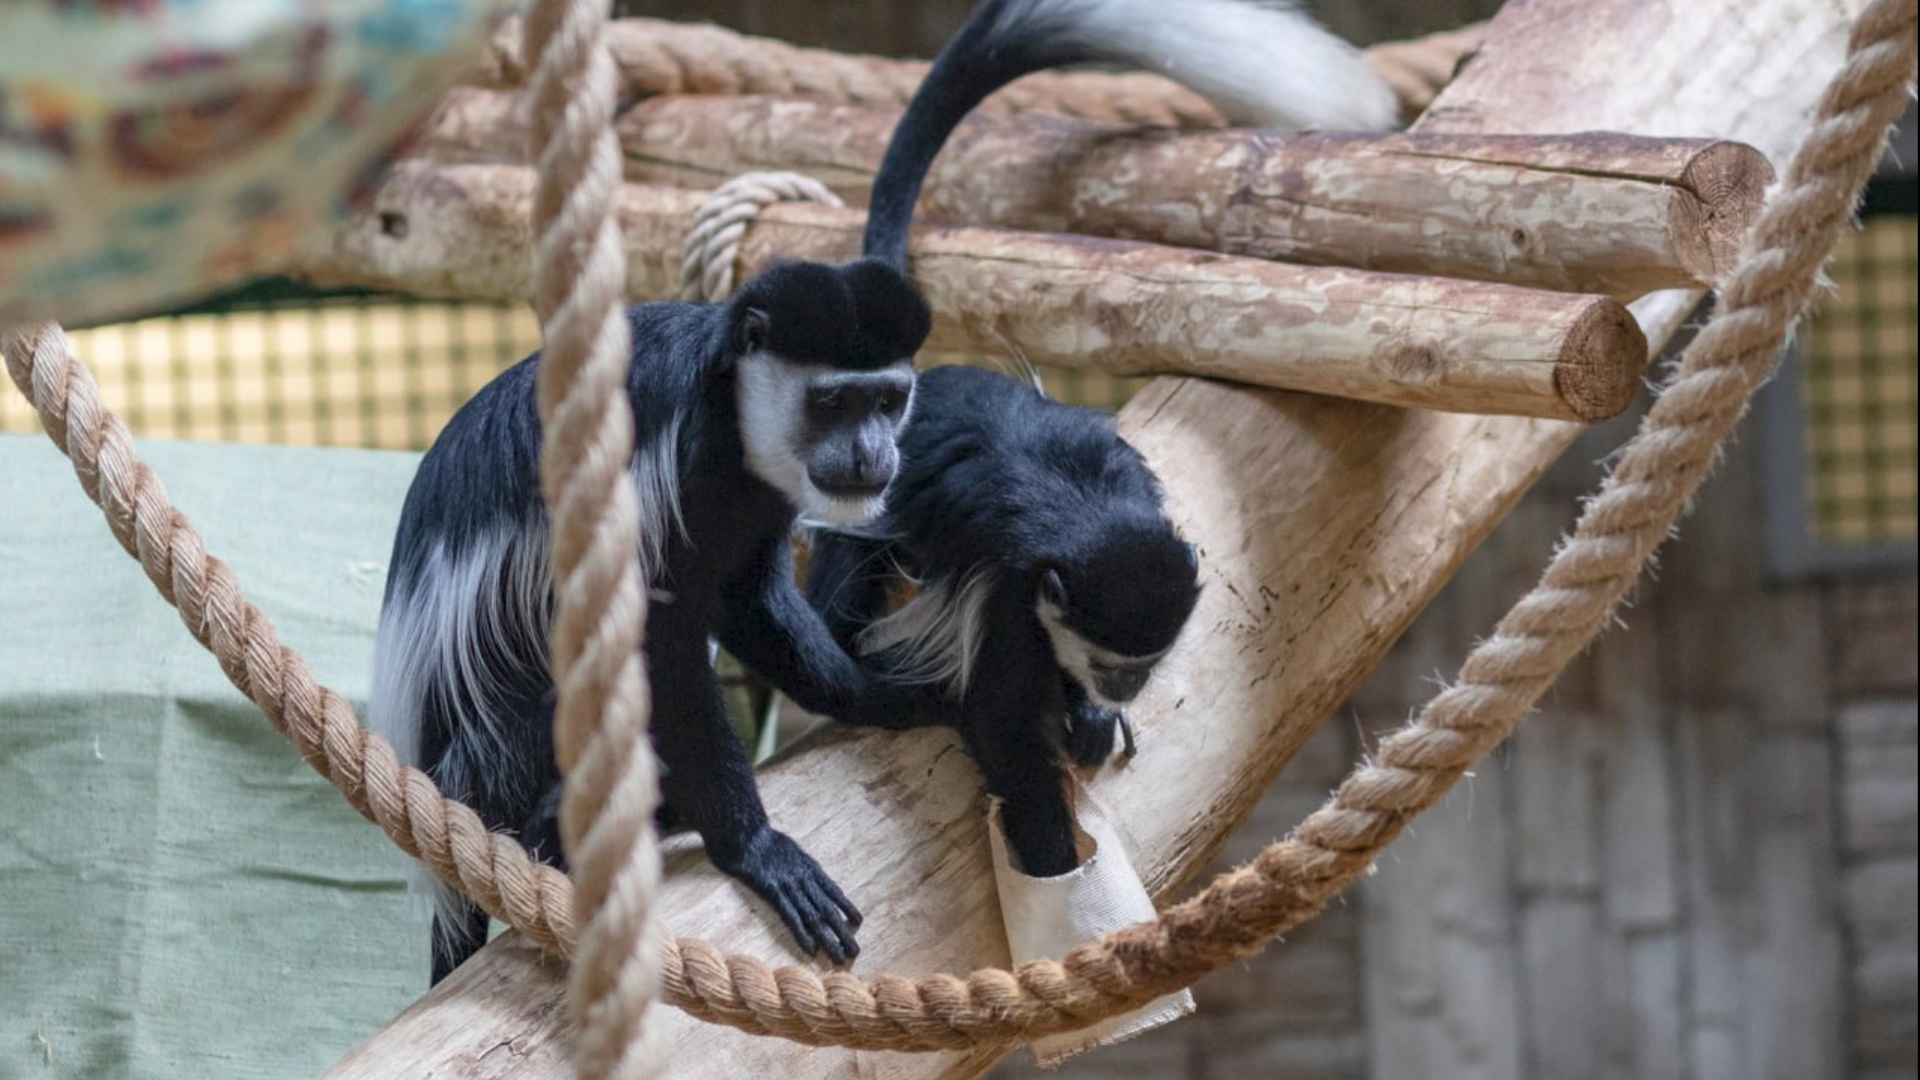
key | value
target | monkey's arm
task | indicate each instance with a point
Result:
(708, 783)
(1006, 704)
(847, 580)
(772, 629)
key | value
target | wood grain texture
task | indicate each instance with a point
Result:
(1325, 526)
(1594, 212)
(1118, 307)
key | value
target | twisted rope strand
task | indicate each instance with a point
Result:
(1239, 911)
(712, 248)
(403, 801)
(600, 722)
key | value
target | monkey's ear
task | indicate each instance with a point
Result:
(750, 331)
(1052, 589)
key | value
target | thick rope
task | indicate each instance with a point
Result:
(658, 57)
(1238, 912)
(712, 248)
(600, 721)
(661, 57)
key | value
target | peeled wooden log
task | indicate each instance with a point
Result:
(1325, 526)
(1594, 212)
(1124, 308)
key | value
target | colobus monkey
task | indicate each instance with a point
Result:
(1050, 580)
(785, 400)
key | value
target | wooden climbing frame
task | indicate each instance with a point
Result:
(1325, 525)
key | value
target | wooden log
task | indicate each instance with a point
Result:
(1124, 308)
(1595, 212)
(1325, 526)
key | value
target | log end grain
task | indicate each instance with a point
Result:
(1602, 362)
(1718, 199)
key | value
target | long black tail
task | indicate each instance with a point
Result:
(1258, 62)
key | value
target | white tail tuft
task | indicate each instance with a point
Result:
(1261, 64)
(938, 631)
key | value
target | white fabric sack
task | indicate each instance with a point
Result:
(1045, 917)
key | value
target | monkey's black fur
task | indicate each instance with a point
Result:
(468, 572)
(1038, 502)
(1008, 502)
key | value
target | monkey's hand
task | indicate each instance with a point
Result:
(818, 915)
(1090, 731)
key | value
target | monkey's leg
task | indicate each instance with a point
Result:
(456, 936)
(502, 775)
(708, 782)
(541, 834)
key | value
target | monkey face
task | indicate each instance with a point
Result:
(825, 437)
(1112, 615)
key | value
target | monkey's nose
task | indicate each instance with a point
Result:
(1120, 686)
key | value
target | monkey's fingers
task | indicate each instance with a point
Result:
(839, 900)
(831, 924)
(800, 928)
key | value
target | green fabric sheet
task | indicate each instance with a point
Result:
(180, 895)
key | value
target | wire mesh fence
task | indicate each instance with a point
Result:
(1859, 390)
(379, 372)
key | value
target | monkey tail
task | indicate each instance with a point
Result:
(1260, 63)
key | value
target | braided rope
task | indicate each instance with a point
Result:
(658, 57)
(600, 721)
(712, 248)
(1238, 912)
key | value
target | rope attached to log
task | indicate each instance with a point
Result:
(712, 248)
(1657, 471)
(600, 720)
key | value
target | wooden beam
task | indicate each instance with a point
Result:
(1594, 212)
(1122, 308)
(1326, 526)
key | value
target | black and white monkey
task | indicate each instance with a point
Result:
(1050, 579)
(785, 400)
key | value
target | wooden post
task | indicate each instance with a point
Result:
(1325, 526)
(1595, 212)
(1123, 308)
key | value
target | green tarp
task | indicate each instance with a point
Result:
(180, 896)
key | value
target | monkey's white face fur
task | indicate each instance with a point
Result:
(1109, 678)
(787, 438)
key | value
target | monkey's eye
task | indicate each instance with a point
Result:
(831, 401)
(890, 403)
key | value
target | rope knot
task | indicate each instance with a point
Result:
(713, 245)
